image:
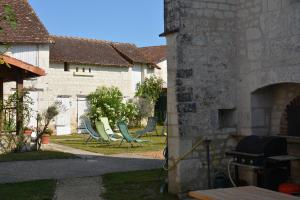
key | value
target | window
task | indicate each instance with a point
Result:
(66, 67)
(90, 70)
(77, 69)
(227, 118)
(83, 69)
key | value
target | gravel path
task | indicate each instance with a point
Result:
(78, 179)
(71, 168)
(79, 189)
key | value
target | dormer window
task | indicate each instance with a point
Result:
(66, 67)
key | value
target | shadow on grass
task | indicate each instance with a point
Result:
(35, 155)
(32, 190)
(135, 185)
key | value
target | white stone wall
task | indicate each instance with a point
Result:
(58, 82)
(163, 72)
(74, 84)
(34, 54)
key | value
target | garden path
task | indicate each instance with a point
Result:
(88, 188)
(95, 165)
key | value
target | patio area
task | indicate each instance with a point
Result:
(14, 70)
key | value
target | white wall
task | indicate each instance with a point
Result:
(79, 84)
(74, 84)
(163, 72)
(34, 54)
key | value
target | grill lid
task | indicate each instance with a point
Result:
(268, 145)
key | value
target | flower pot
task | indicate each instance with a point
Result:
(27, 132)
(45, 139)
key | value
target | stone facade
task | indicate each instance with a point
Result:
(162, 72)
(80, 84)
(233, 67)
(73, 83)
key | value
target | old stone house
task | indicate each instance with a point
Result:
(233, 70)
(74, 66)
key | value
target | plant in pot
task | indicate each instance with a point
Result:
(46, 135)
(43, 122)
(27, 131)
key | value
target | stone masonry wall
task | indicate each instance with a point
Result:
(202, 72)
(268, 43)
(221, 53)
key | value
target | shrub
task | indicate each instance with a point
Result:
(150, 89)
(108, 102)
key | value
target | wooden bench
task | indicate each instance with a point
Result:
(240, 193)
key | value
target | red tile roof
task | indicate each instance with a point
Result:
(85, 51)
(155, 54)
(29, 28)
(131, 52)
(30, 70)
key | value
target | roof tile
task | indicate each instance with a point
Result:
(85, 51)
(155, 54)
(29, 28)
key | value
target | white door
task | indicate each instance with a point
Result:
(63, 119)
(34, 95)
(136, 76)
(82, 109)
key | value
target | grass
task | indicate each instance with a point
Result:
(33, 190)
(156, 143)
(134, 185)
(35, 155)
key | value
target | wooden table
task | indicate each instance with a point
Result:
(240, 193)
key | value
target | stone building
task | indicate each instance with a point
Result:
(74, 67)
(233, 70)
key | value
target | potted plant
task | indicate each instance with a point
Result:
(43, 121)
(46, 135)
(27, 131)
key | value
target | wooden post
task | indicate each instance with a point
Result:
(1, 104)
(19, 110)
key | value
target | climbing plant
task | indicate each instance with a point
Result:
(8, 16)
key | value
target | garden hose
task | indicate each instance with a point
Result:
(176, 161)
(229, 173)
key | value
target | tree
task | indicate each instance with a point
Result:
(149, 91)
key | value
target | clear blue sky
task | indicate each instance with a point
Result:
(135, 21)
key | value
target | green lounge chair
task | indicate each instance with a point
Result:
(108, 129)
(126, 135)
(150, 127)
(104, 136)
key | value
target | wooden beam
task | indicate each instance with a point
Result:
(19, 115)
(1, 104)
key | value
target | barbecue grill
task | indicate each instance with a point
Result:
(267, 156)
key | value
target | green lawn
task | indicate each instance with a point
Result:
(35, 155)
(156, 143)
(135, 185)
(33, 190)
